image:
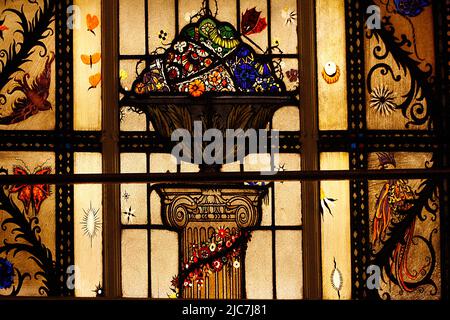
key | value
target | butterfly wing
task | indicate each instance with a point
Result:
(92, 22)
(40, 192)
(95, 80)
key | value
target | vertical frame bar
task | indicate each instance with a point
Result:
(110, 138)
(310, 190)
(64, 254)
(355, 22)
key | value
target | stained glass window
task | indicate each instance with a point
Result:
(331, 88)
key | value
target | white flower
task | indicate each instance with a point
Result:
(180, 46)
(212, 247)
(236, 264)
(290, 16)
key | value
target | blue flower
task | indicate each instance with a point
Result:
(6, 274)
(245, 76)
(411, 8)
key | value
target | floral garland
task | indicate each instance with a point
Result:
(223, 249)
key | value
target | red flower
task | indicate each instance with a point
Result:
(217, 265)
(222, 233)
(252, 22)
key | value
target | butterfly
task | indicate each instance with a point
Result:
(252, 22)
(292, 75)
(91, 59)
(95, 80)
(31, 195)
(92, 23)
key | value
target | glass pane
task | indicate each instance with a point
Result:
(405, 232)
(87, 65)
(164, 262)
(332, 66)
(134, 264)
(133, 196)
(336, 241)
(398, 81)
(258, 266)
(287, 119)
(132, 19)
(88, 217)
(284, 25)
(27, 224)
(289, 266)
(27, 82)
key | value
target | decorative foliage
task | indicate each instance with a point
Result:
(414, 104)
(3, 28)
(394, 235)
(35, 97)
(252, 22)
(33, 31)
(31, 195)
(26, 231)
(224, 248)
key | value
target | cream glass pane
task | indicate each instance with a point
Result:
(155, 207)
(267, 210)
(132, 121)
(257, 162)
(289, 266)
(133, 196)
(163, 163)
(134, 264)
(331, 47)
(336, 238)
(132, 26)
(88, 217)
(87, 47)
(187, 9)
(161, 18)
(164, 261)
(287, 119)
(284, 25)
(288, 193)
(227, 11)
(258, 266)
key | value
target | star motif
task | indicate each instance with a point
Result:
(126, 196)
(99, 292)
(129, 213)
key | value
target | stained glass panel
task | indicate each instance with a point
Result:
(405, 229)
(27, 81)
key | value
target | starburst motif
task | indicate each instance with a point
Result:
(99, 292)
(382, 100)
(290, 16)
(91, 224)
(126, 196)
(129, 213)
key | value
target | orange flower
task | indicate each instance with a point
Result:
(196, 88)
(215, 78)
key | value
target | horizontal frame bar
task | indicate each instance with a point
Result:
(234, 177)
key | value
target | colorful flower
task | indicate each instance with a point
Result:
(245, 75)
(411, 8)
(180, 46)
(215, 78)
(196, 88)
(236, 264)
(217, 265)
(6, 274)
(223, 232)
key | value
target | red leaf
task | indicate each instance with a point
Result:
(252, 22)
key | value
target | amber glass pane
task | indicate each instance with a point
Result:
(88, 231)
(87, 64)
(24, 208)
(27, 74)
(404, 229)
(336, 241)
(398, 81)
